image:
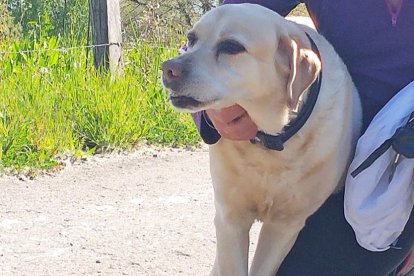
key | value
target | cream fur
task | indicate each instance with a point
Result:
(282, 189)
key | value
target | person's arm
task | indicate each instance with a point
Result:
(206, 129)
(282, 7)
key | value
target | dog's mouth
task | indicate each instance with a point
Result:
(188, 103)
(184, 102)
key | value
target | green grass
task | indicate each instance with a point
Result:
(52, 103)
(300, 10)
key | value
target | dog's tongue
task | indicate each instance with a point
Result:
(238, 118)
(237, 123)
(231, 114)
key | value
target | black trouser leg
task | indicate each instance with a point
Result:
(327, 247)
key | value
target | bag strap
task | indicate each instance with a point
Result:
(404, 134)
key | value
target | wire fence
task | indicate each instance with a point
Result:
(125, 47)
(142, 21)
(63, 49)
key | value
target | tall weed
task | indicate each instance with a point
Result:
(51, 102)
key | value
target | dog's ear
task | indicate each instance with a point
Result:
(299, 64)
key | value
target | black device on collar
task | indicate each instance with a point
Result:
(275, 142)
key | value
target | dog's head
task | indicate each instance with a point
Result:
(241, 54)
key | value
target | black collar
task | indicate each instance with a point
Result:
(275, 142)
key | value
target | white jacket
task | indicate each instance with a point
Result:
(376, 208)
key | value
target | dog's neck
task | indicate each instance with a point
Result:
(267, 138)
(272, 115)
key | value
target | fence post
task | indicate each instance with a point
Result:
(106, 29)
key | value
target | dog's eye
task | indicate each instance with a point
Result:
(191, 39)
(230, 47)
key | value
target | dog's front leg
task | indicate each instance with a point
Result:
(232, 245)
(275, 242)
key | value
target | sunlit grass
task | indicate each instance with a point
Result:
(300, 10)
(52, 103)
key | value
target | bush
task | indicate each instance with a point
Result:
(51, 103)
(64, 18)
(8, 29)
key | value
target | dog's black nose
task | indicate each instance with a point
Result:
(172, 71)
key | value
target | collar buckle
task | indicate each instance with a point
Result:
(276, 143)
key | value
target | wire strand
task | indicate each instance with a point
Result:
(64, 49)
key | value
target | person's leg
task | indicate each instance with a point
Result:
(327, 247)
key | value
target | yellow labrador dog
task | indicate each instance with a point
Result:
(297, 90)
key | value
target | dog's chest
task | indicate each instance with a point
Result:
(268, 184)
(274, 189)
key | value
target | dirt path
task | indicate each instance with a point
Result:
(143, 213)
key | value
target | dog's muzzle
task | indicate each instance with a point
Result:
(173, 77)
(173, 74)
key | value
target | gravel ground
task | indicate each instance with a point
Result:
(149, 212)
